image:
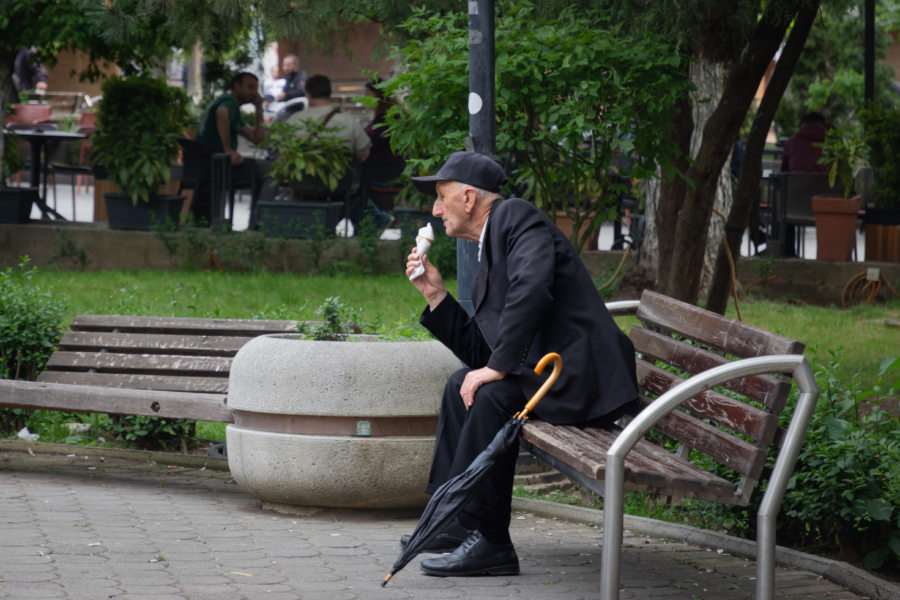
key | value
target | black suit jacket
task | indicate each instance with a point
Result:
(532, 295)
(294, 86)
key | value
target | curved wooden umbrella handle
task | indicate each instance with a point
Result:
(538, 369)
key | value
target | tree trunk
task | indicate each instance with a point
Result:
(709, 78)
(683, 277)
(664, 200)
(751, 167)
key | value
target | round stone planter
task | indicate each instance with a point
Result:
(340, 424)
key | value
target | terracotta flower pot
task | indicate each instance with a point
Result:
(835, 226)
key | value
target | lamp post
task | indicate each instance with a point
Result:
(482, 125)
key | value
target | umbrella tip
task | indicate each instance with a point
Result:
(386, 579)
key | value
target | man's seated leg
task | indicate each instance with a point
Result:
(462, 435)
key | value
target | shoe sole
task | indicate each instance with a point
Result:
(498, 570)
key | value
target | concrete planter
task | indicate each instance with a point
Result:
(339, 424)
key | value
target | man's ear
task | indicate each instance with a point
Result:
(471, 197)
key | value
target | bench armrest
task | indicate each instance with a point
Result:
(615, 457)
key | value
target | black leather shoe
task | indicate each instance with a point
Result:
(475, 556)
(446, 541)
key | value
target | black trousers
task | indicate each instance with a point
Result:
(462, 434)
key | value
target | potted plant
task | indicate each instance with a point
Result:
(138, 125)
(313, 168)
(882, 219)
(843, 152)
(15, 202)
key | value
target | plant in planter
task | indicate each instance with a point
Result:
(843, 152)
(321, 422)
(882, 136)
(138, 125)
(313, 167)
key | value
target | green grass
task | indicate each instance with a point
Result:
(377, 301)
(389, 304)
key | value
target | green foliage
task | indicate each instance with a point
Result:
(153, 433)
(31, 322)
(882, 136)
(846, 487)
(828, 75)
(843, 151)
(334, 325)
(574, 97)
(307, 150)
(139, 122)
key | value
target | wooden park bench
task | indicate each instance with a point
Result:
(683, 352)
(154, 366)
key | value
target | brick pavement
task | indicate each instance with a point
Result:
(84, 528)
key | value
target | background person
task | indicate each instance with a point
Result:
(801, 155)
(532, 295)
(30, 74)
(219, 128)
(295, 79)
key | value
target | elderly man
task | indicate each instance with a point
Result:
(531, 295)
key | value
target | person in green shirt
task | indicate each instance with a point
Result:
(219, 128)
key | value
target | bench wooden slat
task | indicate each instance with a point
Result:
(140, 363)
(732, 337)
(723, 410)
(172, 383)
(200, 326)
(765, 389)
(86, 398)
(149, 343)
(648, 467)
(725, 448)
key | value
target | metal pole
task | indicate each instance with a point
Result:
(482, 125)
(870, 51)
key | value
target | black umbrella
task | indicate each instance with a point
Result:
(449, 499)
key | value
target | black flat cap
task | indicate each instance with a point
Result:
(466, 167)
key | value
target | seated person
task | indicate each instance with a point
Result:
(347, 128)
(220, 125)
(294, 77)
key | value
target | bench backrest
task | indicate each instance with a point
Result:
(678, 340)
(154, 353)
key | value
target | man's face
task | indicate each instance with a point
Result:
(450, 206)
(288, 66)
(246, 90)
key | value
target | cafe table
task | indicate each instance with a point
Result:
(37, 138)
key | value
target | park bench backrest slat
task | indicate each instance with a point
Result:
(744, 418)
(661, 313)
(149, 343)
(765, 389)
(160, 364)
(182, 325)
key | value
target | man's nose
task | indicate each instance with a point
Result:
(437, 209)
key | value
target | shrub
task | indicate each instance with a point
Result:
(154, 433)
(845, 491)
(31, 322)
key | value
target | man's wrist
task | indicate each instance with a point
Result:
(435, 299)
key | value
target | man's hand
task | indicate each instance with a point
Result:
(430, 283)
(236, 157)
(474, 380)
